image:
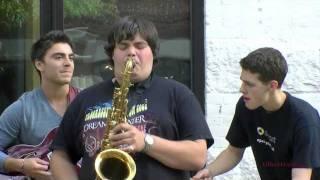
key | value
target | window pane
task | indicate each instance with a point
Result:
(19, 22)
(87, 23)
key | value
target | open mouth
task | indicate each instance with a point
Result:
(246, 99)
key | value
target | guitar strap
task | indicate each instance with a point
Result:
(73, 92)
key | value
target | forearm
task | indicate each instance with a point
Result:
(3, 158)
(13, 165)
(185, 155)
(61, 167)
(225, 161)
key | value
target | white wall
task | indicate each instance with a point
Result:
(236, 27)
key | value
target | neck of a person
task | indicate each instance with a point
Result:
(276, 101)
(57, 96)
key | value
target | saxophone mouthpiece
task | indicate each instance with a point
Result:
(132, 62)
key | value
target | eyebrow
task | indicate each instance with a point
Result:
(134, 42)
(248, 82)
(62, 54)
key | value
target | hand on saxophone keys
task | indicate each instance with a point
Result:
(127, 138)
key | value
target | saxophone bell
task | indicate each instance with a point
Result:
(115, 164)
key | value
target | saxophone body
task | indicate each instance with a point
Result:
(112, 163)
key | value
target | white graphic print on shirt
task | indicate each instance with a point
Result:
(266, 138)
(95, 123)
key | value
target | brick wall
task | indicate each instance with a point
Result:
(236, 27)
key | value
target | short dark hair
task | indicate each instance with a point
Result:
(268, 62)
(126, 29)
(41, 46)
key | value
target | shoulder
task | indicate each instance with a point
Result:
(173, 90)
(27, 98)
(302, 111)
(299, 105)
(33, 94)
(16, 110)
(170, 85)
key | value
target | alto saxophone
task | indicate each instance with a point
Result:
(112, 163)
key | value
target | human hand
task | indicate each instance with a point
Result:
(36, 168)
(203, 174)
(127, 138)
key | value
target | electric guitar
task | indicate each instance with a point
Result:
(23, 151)
(40, 151)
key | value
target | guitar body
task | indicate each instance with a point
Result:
(23, 151)
(41, 151)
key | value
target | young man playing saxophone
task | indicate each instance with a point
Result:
(166, 133)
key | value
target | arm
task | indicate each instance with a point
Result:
(185, 154)
(10, 121)
(306, 149)
(13, 165)
(301, 173)
(225, 161)
(32, 167)
(61, 166)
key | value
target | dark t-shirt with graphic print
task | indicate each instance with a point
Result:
(281, 140)
(158, 106)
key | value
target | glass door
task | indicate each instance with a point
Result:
(19, 22)
(88, 21)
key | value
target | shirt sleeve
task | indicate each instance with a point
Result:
(237, 135)
(190, 117)
(9, 129)
(306, 149)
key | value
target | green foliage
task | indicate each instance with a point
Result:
(89, 8)
(13, 13)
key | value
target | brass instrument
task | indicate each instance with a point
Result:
(112, 163)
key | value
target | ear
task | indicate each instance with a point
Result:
(274, 84)
(38, 64)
